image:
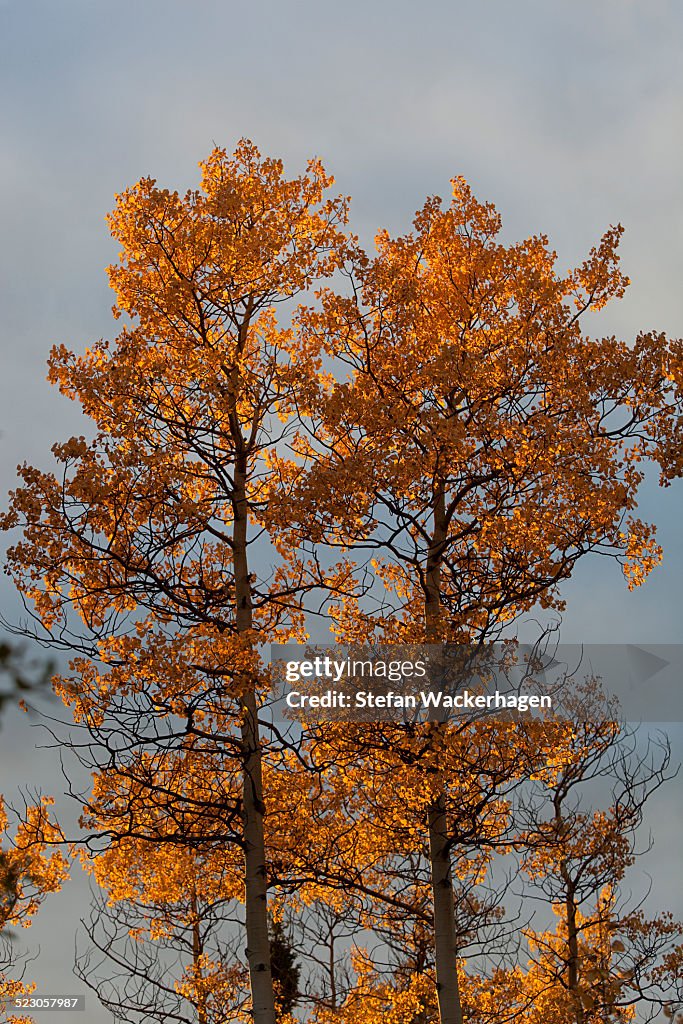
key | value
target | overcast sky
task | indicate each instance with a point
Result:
(566, 115)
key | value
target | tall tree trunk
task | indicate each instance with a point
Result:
(573, 963)
(253, 808)
(445, 943)
(197, 951)
(445, 939)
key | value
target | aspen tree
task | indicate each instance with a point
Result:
(477, 442)
(30, 869)
(605, 960)
(136, 554)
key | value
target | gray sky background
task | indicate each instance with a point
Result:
(567, 116)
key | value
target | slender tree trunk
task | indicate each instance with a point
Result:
(573, 965)
(445, 943)
(197, 951)
(445, 939)
(255, 881)
(333, 979)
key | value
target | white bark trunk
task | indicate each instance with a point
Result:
(445, 939)
(253, 808)
(445, 943)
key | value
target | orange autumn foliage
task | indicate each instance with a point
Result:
(29, 870)
(448, 426)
